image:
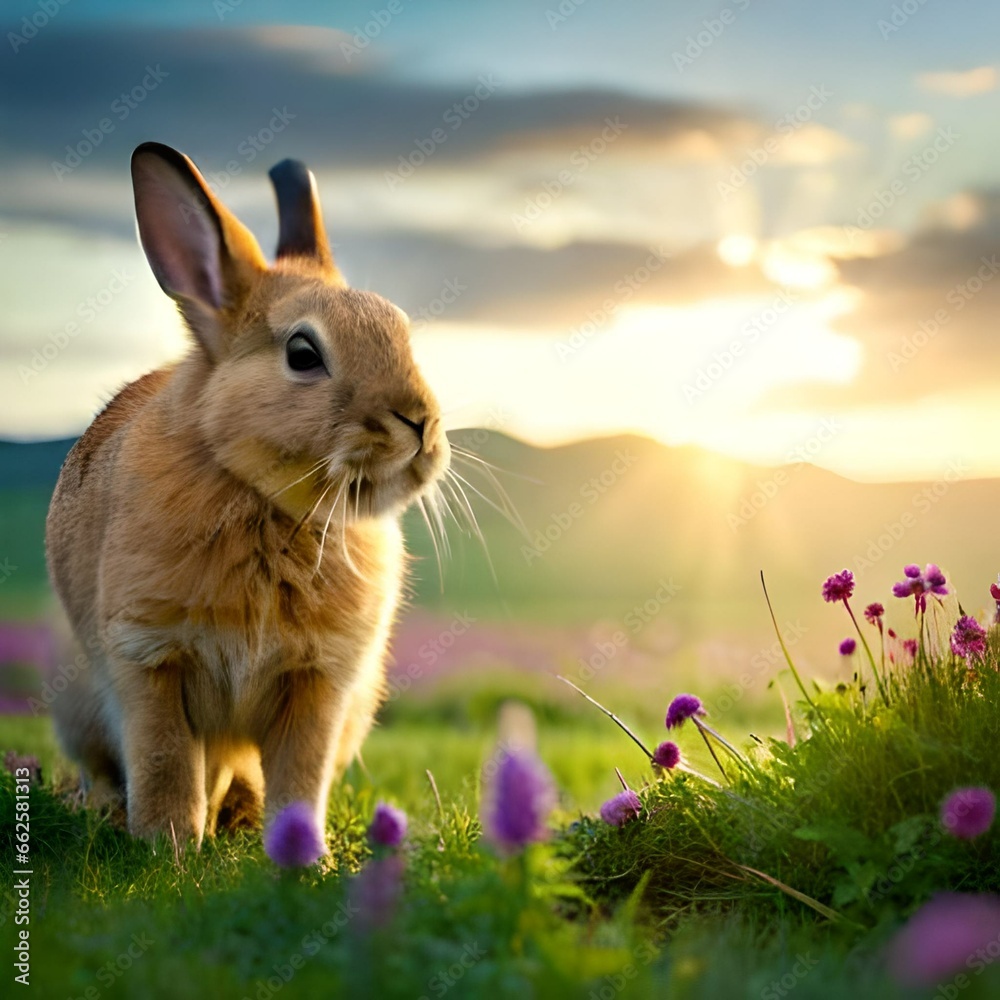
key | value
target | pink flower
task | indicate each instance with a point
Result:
(294, 840)
(968, 639)
(621, 809)
(847, 647)
(918, 586)
(874, 613)
(968, 812)
(910, 648)
(941, 937)
(667, 755)
(839, 587)
(682, 708)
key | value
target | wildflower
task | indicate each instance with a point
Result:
(995, 594)
(522, 797)
(910, 648)
(388, 826)
(682, 708)
(847, 647)
(625, 806)
(968, 639)
(294, 840)
(874, 613)
(968, 812)
(918, 586)
(14, 762)
(940, 937)
(667, 755)
(375, 891)
(839, 587)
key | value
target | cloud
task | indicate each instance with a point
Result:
(968, 83)
(910, 126)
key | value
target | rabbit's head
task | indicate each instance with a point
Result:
(299, 385)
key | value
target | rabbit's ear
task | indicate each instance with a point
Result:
(201, 254)
(300, 217)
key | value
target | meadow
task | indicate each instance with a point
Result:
(771, 866)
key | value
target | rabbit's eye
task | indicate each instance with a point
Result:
(302, 355)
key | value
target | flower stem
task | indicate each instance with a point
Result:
(871, 659)
(711, 732)
(784, 648)
(711, 750)
(611, 715)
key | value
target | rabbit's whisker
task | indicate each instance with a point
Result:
(307, 515)
(507, 511)
(326, 527)
(454, 484)
(295, 482)
(430, 530)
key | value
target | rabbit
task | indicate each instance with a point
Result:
(225, 536)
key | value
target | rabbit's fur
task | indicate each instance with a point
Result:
(224, 537)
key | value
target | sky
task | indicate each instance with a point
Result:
(761, 228)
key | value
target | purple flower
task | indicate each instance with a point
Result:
(847, 647)
(910, 647)
(941, 936)
(376, 890)
(621, 809)
(522, 797)
(14, 762)
(667, 755)
(839, 587)
(918, 586)
(968, 639)
(874, 613)
(294, 840)
(388, 826)
(682, 708)
(968, 812)
(995, 592)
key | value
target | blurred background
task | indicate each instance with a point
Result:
(714, 284)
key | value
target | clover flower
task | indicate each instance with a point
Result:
(294, 840)
(839, 587)
(388, 825)
(522, 797)
(968, 638)
(667, 755)
(682, 708)
(968, 812)
(847, 647)
(874, 613)
(622, 808)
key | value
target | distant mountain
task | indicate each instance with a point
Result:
(616, 525)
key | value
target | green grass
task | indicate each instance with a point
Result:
(843, 827)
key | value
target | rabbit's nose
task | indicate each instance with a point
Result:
(416, 425)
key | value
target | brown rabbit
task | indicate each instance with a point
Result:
(224, 537)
